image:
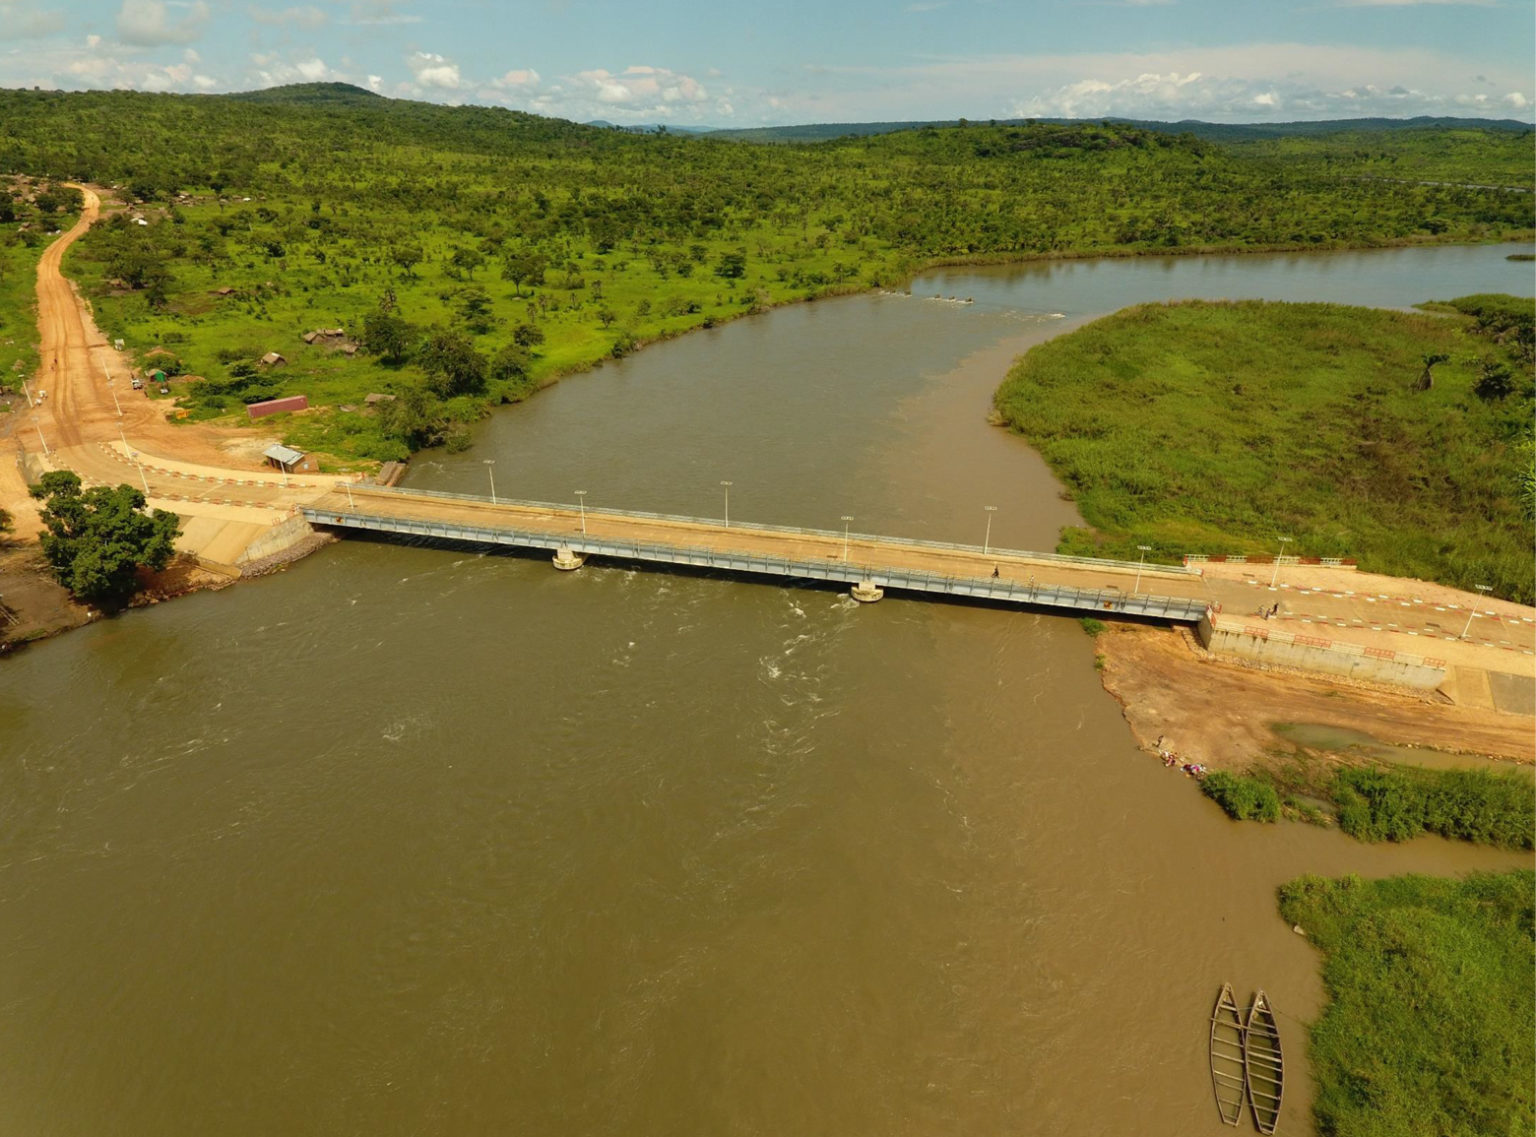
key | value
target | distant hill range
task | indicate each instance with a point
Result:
(338, 95)
(1215, 131)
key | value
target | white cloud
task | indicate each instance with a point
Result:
(271, 70)
(148, 23)
(308, 17)
(642, 90)
(380, 13)
(433, 71)
(523, 80)
(1232, 83)
(22, 19)
(1414, 3)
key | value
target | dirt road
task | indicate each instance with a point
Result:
(86, 417)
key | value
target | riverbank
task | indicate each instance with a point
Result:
(1223, 714)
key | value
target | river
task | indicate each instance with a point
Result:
(427, 841)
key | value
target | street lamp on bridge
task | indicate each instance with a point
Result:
(1484, 590)
(1276, 574)
(727, 486)
(581, 503)
(846, 519)
(986, 544)
(1145, 549)
(490, 468)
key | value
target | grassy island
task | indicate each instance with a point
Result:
(1403, 440)
(470, 254)
(1430, 1023)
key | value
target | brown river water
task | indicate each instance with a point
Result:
(414, 840)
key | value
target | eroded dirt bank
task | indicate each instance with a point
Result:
(1221, 713)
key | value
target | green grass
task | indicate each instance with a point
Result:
(1431, 1013)
(1219, 427)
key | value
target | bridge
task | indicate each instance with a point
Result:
(868, 564)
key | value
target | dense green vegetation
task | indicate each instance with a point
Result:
(1430, 1028)
(1395, 802)
(97, 539)
(1244, 798)
(1377, 804)
(1220, 427)
(549, 246)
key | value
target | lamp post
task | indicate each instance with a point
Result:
(1276, 574)
(348, 487)
(986, 545)
(27, 391)
(1145, 549)
(490, 468)
(41, 439)
(140, 465)
(581, 502)
(846, 519)
(112, 386)
(727, 486)
(1484, 589)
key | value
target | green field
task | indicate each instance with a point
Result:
(1220, 427)
(318, 206)
(1430, 1028)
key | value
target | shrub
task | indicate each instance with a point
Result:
(1093, 627)
(1244, 798)
(1469, 805)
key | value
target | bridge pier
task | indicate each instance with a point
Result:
(867, 592)
(567, 561)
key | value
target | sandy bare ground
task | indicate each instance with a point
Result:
(1221, 713)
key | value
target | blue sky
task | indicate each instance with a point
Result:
(796, 61)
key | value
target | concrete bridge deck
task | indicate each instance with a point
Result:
(1082, 585)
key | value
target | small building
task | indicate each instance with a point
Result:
(272, 359)
(277, 406)
(281, 457)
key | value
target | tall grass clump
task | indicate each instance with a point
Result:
(1430, 1027)
(1468, 805)
(1244, 798)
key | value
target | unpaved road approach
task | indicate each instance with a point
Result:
(85, 417)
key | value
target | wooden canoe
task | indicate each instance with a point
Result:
(1263, 1067)
(1227, 1077)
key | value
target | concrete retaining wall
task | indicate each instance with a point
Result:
(1312, 653)
(277, 539)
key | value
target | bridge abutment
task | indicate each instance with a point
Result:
(568, 561)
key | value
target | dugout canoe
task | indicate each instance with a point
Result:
(1228, 1079)
(1263, 1065)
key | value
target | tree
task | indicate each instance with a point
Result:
(452, 364)
(98, 538)
(732, 266)
(528, 335)
(1494, 381)
(414, 417)
(407, 257)
(387, 336)
(468, 260)
(524, 264)
(1427, 380)
(475, 310)
(5, 521)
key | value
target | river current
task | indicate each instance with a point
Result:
(415, 840)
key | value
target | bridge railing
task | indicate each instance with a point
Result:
(848, 572)
(1148, 569)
